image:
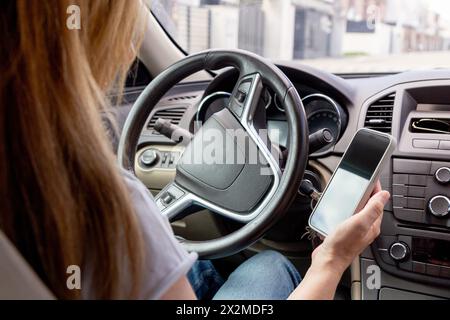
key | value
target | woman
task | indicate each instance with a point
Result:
(64, 201)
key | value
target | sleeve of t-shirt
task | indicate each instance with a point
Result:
(166, 260)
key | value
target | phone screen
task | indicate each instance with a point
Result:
(350, 181)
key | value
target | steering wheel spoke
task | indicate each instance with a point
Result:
(244, 103)
(175, 202)
(245, 97)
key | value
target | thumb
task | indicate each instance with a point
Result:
(373, 209)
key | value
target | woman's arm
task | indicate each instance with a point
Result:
(340, 248)
(329, 260)
(181, 290)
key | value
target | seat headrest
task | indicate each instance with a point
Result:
(17, 278)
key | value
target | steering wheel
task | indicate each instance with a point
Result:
(251, 187)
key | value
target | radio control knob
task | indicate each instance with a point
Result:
(442, 175)
(439, 206)
(399, 251)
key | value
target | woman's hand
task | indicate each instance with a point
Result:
(340, 248)
(350, 238)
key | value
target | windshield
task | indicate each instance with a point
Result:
(340, 36)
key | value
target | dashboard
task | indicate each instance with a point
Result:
(323, 111)
(413, 250)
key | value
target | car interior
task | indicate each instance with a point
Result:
(228, 213)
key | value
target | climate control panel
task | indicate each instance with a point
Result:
(421, 191)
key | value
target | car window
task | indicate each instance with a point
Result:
(347, 36)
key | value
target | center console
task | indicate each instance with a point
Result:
(419, 248)
(413, 249)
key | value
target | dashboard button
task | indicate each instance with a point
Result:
(411, 215)
(415, 191)
(445, 272)
(411, 166)
(425, 144)
(433, 270)
(406, 265)
(416, 203)
(399, 190)
(418, 180)
(419, 267)
(384, 254)
(435, 165)
(400, 178)
(444, 145)
(399, 201)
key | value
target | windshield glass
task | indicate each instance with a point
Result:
(340, 36)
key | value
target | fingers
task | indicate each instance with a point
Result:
(377, 188)
(372, 211)
(374, 231)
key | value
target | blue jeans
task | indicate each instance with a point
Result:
(265, 276)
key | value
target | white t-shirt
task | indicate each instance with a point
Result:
(165, 258)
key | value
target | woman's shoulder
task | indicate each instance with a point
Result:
(145, 206)
(166, 259)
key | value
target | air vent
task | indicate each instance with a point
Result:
(174, 115)
(178, 98)
(379, 114)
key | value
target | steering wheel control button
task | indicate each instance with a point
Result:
(167, 198)
(442, 175)
(399, 251)
(439, 206)
(175, 192)
(237, 104)
(240, 96)
(149, 158)
(243, 90)
(236, 109)
(161, 206)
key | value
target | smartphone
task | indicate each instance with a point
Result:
(353, 181)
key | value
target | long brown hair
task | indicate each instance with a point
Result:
(62, 199)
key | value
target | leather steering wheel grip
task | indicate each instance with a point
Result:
(247, 64)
